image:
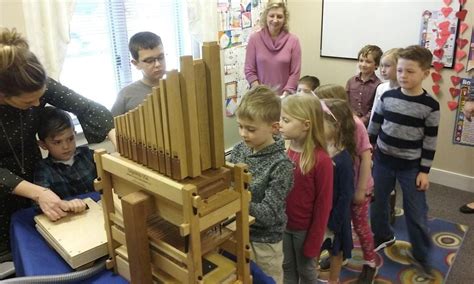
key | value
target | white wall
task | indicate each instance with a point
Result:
(453, 164)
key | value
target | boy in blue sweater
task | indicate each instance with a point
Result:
(405, 127)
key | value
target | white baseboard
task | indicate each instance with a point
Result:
(451, 179)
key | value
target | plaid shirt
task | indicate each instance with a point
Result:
(68, 181)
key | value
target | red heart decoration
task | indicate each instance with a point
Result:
(436, 77)
(444, 33)
(460, 54)
(446, 11)
(441, 41)
(458, 67)
(435, 89)
(462, 2)
(437, 66)
(461, 14)
(452, 105)
(454, 92)
(438, 52)
(463, 27)
(455, 80)
(447, 2)
(461, 42)
(444, 25)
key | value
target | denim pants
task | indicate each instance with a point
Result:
(414, 205)
(297, 268)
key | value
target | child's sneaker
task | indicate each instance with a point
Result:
(424, 270)
(367, 276)
(380, 244)
(325, 263)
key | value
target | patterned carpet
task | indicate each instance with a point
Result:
(394, 265)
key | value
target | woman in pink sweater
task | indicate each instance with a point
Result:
(273, 54)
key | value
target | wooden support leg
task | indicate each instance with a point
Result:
(242, 180)
(136, 208)
(103, 184)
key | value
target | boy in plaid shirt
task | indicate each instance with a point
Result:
(68, 171)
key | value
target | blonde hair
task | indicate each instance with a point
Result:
(331, 91)
(262, 103)
(344, 127)
(392, 54)
(274, 4)
(20, 70)
(307, 108)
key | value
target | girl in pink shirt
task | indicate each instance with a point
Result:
(363, 183)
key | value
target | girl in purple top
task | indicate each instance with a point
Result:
(273, 54)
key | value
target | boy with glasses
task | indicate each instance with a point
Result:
(148, 56)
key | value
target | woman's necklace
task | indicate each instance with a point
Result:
(22, 164)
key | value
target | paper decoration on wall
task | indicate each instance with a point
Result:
(470, 61)
(438, 34)
(463, 129)
(452, 105)
(237, 20)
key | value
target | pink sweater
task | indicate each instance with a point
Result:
(274, 63)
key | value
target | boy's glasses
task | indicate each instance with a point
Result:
(152, 60)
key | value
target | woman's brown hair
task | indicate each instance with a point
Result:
(20, 70)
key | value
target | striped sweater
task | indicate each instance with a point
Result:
(405, 129)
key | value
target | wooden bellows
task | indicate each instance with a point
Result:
(178, 129)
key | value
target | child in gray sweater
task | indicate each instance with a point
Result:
(263, 151)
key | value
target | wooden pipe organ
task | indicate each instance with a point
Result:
(177, 196)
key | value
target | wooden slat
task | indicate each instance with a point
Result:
(179, 160)
(126, 141)
(159, 129)
(151, 133)
(165, 126)
(241, 176)
(202, 104)
(143, 177)
(136, 208)
(132, 135)
(190, 117)
(211, 57)
(118, 134)
(107, 201)
(142, 135)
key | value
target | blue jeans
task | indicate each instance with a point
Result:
(414, 205)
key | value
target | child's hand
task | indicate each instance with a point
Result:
(76, 205)
(359, 197)
(422, 182)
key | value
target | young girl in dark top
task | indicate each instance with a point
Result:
(340, 127)
(309, 202)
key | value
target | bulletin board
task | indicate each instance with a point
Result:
(237, 20)
(463, 129)
(349, 25)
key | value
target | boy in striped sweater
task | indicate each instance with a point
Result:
(405, 128)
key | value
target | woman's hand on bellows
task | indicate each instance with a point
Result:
(52, 206)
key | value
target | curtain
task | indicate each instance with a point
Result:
(47, 31)
(202, 17)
